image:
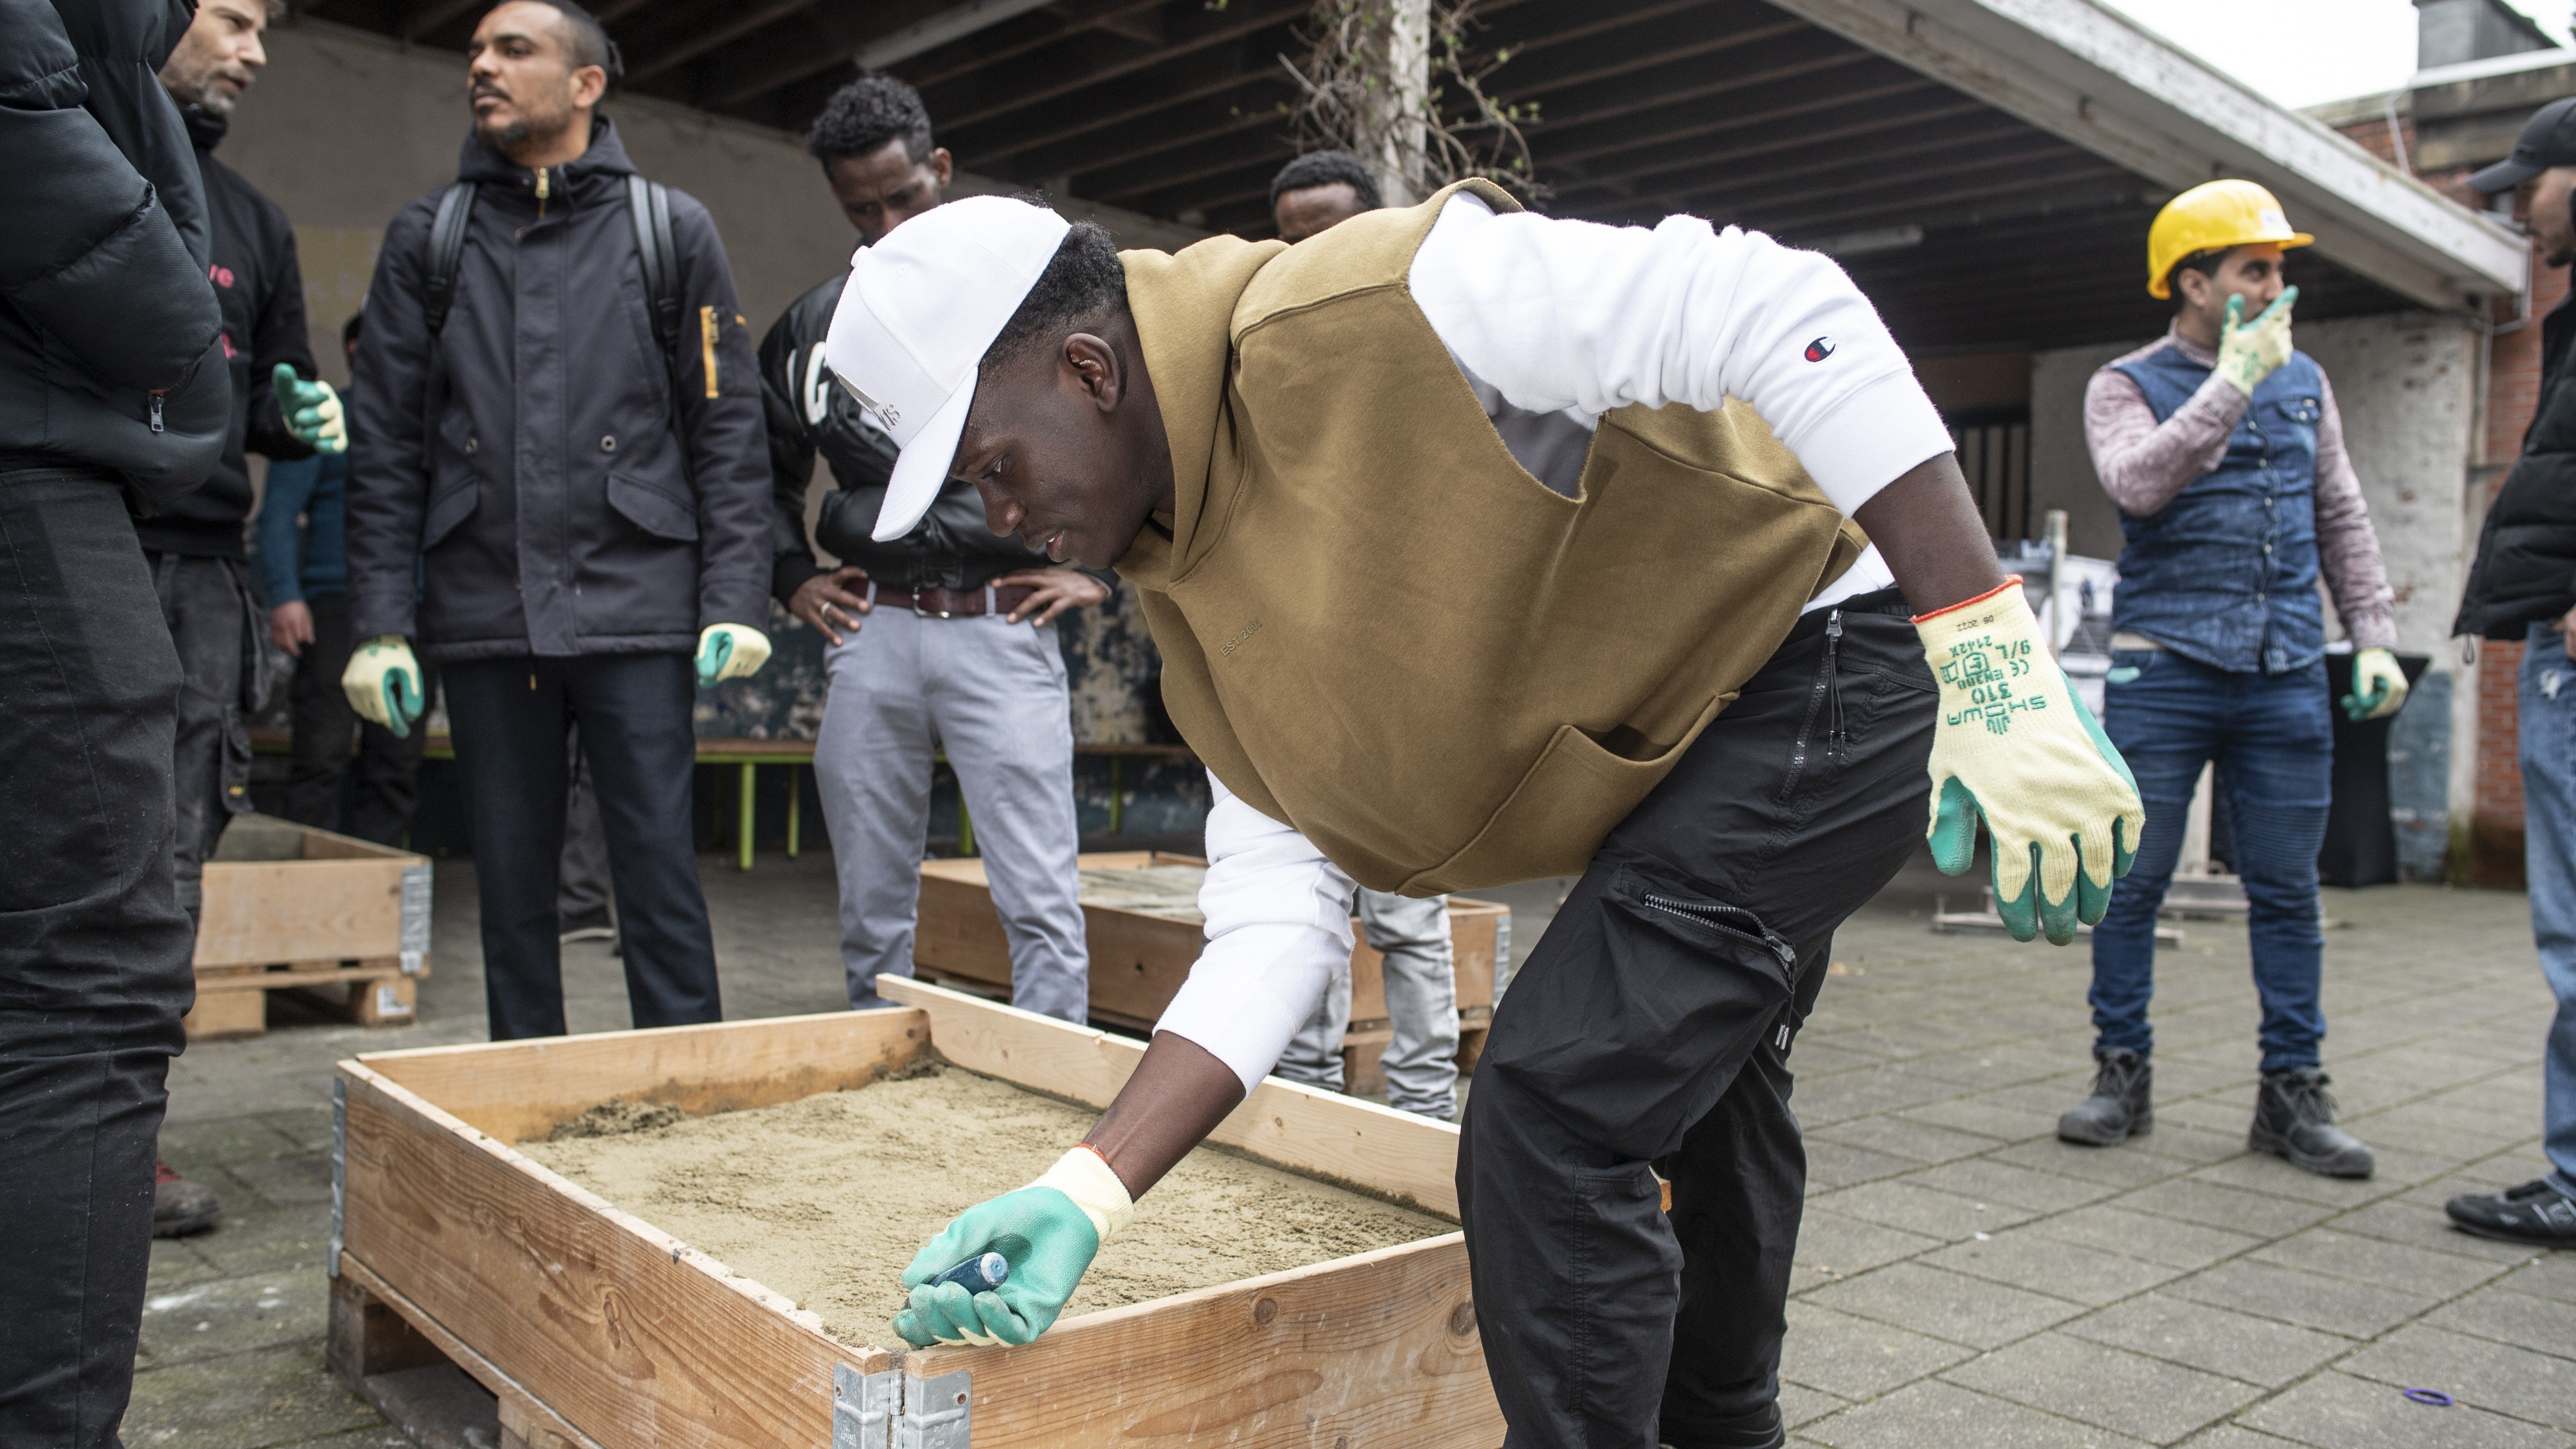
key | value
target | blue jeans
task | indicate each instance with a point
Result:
(2274, 745)
(2548, 690)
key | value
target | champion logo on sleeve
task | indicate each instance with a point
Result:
(1820, 349)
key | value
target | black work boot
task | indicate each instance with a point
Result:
(2122, 1105)
(179, 1206)
(2534, 1213)
(2294, 1118)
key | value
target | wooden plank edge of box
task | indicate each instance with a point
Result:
(634, 1338)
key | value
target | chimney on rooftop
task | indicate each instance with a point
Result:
(2450, 32)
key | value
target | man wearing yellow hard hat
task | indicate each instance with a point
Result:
(2222, 447)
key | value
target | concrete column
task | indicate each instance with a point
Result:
(1396, 127)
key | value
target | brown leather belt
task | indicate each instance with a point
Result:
(951, 603)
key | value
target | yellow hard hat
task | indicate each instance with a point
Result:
(2212, 215)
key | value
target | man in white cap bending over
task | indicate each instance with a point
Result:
(1412, 665)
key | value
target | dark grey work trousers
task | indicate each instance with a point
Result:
(512, 718)
(94, 973)
(1649, 1033)
(215, 626)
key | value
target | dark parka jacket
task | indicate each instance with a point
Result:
(2526, 561)
(108, 350)
(554, 510)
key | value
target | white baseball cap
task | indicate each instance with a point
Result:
(921, 308)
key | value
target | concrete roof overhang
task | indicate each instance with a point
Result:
(1985, 168)
(2089, 76)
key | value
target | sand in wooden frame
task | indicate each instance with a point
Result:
(594, 1327)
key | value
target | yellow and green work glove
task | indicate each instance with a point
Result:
(2249, 351)
(2378, 686)
(1049, 1231)
(312, 410)
(2013, 744)
(383, 683)
(729, 651)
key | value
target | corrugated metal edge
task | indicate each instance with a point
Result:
(937, 1413)
(864, 1407)
(415, 917)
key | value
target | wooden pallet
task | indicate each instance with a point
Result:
(342, 921)
(1140, 958)
(596, 1330)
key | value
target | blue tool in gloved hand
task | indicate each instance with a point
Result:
(1049, 1231)
(979, 1274)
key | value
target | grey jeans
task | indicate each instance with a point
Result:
(991, 694)
(214, 626)
(1421, 1062)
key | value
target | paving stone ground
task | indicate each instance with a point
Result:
(1963, 1278)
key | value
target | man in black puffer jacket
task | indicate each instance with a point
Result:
(112, 385)
(2523, 586)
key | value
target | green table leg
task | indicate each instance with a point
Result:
(795, 799)
(1117, 794)
(742, 824)
(965, 827)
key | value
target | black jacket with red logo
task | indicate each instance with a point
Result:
(261, 290)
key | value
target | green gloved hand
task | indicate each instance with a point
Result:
(2378, 686)
(383, 683)
(729, 651)
(2015, 745)
(2248, 351)
(1049, 1230)
(312, 410)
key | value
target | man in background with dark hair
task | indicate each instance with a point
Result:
(560, 515)
(947, 666)
(2221, 444)
(303, 558)
(1318, 190)
(112, 392)
(196, 547)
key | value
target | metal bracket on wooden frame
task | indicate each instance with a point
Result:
(340, 1170)
(892, 1410)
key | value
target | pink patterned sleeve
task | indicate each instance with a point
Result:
(2347, 546)
(2143, 463)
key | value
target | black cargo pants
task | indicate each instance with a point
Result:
(1651, 1028)
(94, 973)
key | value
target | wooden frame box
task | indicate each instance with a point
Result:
(1139, 960)
(289, 906)
(594, 1328)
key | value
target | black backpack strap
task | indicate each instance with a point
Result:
(438, 294)
(446, 252)
(648, 208)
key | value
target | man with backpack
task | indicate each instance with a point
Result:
(556, 412)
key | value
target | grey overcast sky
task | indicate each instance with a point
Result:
(2303, 52)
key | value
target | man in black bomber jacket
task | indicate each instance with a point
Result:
(929, 644)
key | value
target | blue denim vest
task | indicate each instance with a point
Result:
(2227, 572)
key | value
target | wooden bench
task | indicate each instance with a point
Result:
(749, 755)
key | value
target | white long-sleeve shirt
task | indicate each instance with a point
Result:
(1575, 318)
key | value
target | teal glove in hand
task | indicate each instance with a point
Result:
(312, 410)
(1050, 1231)
(729, 651)
(2248, 352)
(383, 683)
(2378, 686)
